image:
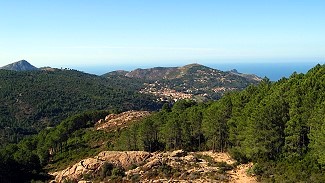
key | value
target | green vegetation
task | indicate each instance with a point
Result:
(201, 81)
(279, 126)
(53, 149)
(34, 100)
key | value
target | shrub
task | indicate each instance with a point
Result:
(106, 170)
(135, 178)
(118, 172)
(166, 170)
(238, 156)
(255, 170)
(224, 167)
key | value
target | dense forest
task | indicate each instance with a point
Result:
(279, 126)
(34, 100)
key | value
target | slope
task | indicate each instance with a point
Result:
(21, 65)
(278, 126)
(193, 81)
(33, 100)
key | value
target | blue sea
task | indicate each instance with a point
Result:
(273, 71)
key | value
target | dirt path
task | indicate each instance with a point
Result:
(237, 175)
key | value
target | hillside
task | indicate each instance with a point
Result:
(192, 81)
(279, 127)
(33, 100)
(21, 65)
(274, 131)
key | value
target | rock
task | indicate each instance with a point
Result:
(151, 164)
(178, 153)
(93, 165)
(124, 159)
(190, 158)
(113, 121)
(101, 121)
(152, 167)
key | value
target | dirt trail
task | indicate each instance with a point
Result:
(237, 175)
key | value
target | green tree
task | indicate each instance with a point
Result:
(317, 134)
(215, 124)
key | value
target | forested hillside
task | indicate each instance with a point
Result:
(279, 126)
(33, 100)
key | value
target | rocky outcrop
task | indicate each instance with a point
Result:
(93, 165)
(76, 171)
(120, 120)
(123, 158)
(176, 166)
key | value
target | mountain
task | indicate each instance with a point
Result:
(34, 100)
(276, 126)
(190, 81)
(117, 73)
(248, 76)
(21, 65)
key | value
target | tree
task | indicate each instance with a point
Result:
(317, 134)
(149, 135)
(215, 124)
(266, 128)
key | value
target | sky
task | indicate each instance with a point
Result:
(140, 33)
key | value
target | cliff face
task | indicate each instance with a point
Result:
(21, 65)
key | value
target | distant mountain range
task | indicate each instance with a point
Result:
(190, 81)
(21, 65)
(193, 81)
(160, 73)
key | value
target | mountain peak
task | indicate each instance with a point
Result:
(193, 65)
(21, 65)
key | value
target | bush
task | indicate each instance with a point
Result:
(207, 158)
(118, 172)
(135, 178)
(106, 170)
(133, 166)
(238, 156)
(257, 169)
(224, 167)
(166, 170)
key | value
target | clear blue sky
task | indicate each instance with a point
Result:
(160, 32)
